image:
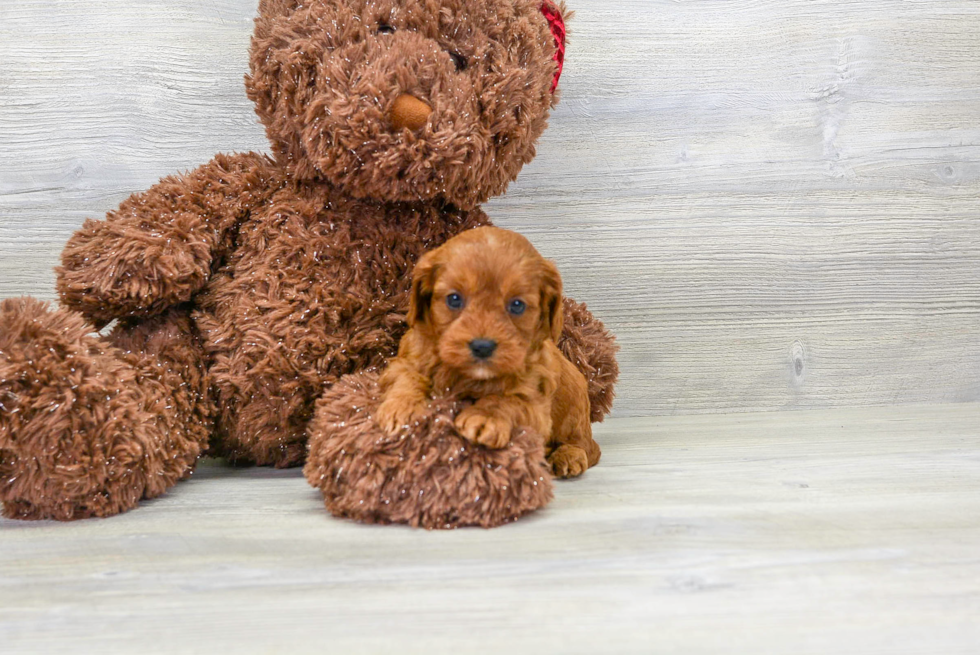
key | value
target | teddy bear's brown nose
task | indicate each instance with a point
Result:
(408, 111)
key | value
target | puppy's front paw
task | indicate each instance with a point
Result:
(396, 412)
(568, 461)
(480, 427)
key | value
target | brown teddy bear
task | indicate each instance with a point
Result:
(244, 289)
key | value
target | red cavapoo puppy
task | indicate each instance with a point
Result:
(484, 315)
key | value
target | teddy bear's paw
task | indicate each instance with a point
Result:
(55, 415)
(105, 277)
(479, 426)
(37, 370)
(430, 478)
(83, 431)
(568, 461)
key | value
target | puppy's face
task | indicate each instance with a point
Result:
(484, 301)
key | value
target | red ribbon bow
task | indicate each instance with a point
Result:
(557, 24)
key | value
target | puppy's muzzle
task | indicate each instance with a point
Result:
(482, 348)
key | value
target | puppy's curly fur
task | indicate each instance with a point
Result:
(485, 314)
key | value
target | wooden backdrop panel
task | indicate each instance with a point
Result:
(775, 205)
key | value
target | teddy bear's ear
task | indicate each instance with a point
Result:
(556, 15)
(277, 7)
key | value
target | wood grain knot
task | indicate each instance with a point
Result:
(798, 361)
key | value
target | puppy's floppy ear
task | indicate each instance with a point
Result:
(552, 312)
(423, 282)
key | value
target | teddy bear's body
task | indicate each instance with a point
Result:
(288, 284)
(243, 289)
(316, 287)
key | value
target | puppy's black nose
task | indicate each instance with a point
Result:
(482, 348)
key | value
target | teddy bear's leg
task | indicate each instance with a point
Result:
(89, 425)
(587, 343)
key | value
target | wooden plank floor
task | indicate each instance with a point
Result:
(794, 532)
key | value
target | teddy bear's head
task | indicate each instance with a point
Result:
(406, 100)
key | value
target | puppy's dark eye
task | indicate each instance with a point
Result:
(385, 28)
(459, 60)
(516, 307)
(454, 301)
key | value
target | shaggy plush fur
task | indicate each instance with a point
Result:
(427, 476)
(89, 426)
(325, 74)
(247, 287)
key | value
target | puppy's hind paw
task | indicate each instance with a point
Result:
(483, 428)
(568, 461)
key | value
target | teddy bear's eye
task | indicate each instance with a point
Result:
(385, 28)
(459, 60)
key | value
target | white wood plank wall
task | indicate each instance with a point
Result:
(775, 205)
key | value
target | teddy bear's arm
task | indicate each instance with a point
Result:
(159, 247)
(587, 343)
